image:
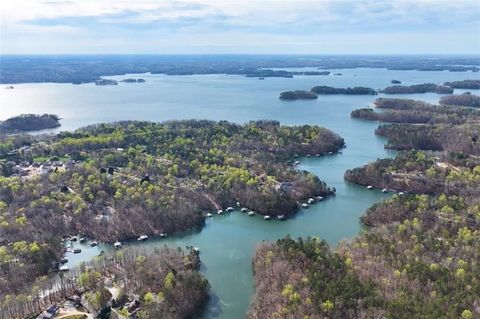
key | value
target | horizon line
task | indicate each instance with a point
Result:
(247, 54)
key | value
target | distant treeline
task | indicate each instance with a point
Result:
(29, 122)
(465, 99)
(83, 69)
(417, 88)
(465, 84)
(325, 90)
(416, 112)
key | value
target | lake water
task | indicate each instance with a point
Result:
(227, 243)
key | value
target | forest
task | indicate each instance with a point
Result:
(416, 112)
(298, 95)
(349, 91)
(418, 88)
(121, 180)
(160, 283)
(29, 122)
(465, 99)
(423, 126)
(418, 256)
(464, 84)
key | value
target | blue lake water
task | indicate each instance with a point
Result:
(227, 243)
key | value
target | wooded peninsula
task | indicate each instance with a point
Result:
(120, 181)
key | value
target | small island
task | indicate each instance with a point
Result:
(418, 88)
(133, 81)
(298, 95)
(358, 90)
(465, 99)
(29, 122)
(105, 82)
(396, 82)
(311, 73)
(465, 84)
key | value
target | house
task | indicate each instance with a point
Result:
(49, 313)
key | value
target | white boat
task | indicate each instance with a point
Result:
(94, 243)
(281, 217)
(142, 237)
(319, 198)
(117, 244)
(401, 193)
(196, 249)
(304, 205)
(369, 187)
(251, 213)
(209, 215)
(244, 210)
(238, 204)
(64, 268)
(297, 162)
(311, 201)
(229, 209)
(163, 235)
(267, 217)
(219, 212)
(384, 190)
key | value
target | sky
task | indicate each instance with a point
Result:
(240, 26)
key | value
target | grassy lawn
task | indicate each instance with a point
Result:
(41, 159)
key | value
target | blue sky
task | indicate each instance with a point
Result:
(221, 26)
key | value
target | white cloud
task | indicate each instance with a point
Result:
(206, 24)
